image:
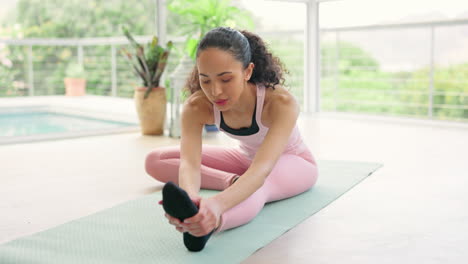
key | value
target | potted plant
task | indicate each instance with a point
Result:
(75, 82)
(148, 63)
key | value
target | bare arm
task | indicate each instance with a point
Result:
(194, 115)
(285, 111)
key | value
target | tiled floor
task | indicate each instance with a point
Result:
(413, 210)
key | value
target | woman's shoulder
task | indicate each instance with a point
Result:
(198, 105)
(279, 95)
(277, 102)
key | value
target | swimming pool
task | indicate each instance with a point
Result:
(20, 124)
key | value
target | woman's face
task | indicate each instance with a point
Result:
(222, 77)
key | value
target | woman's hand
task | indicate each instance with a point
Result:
(207, 219)
(175, 221)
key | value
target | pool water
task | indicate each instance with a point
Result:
(41, 122)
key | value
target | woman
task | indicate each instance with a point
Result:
(236, 84)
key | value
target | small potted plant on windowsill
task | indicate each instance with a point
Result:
(148, 63)
(75, 81)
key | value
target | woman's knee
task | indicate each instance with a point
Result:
(308, 176)
(151, 162)
(312, 179)
(157, 165)
(291, 177)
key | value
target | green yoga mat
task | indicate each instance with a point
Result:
(138, 232)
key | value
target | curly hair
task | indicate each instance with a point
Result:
(246, 47)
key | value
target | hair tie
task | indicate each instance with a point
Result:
(248, 43)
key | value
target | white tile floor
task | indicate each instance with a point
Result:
(413, 210)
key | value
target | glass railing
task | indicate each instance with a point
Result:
(38, 66)
(418, 70)
(34, 67)
(415, 69)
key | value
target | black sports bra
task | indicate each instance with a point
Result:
(244, 131)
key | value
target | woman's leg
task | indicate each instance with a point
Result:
(219, 165)
(291, 176)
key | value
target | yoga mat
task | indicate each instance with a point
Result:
(137, 231)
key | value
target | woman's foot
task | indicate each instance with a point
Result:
(177, 203)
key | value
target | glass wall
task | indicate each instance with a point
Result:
(411, 61)
(71, 32)
(405, 58)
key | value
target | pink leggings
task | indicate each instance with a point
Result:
(291, 176)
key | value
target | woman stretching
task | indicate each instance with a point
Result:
(236, 85)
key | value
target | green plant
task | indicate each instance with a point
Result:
(75, 70)
(201, 16)
(149, 63)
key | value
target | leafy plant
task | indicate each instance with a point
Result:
(201, 16)
(75, 70)
(147, 64)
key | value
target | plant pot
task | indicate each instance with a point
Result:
(152, 110)
(75, 86)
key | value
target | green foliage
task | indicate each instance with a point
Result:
(351, 57)
(83, 18)
(198, 17)
(71, 19)
(450, 91)
(357, 85)
(147, 64)
(75, 70)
